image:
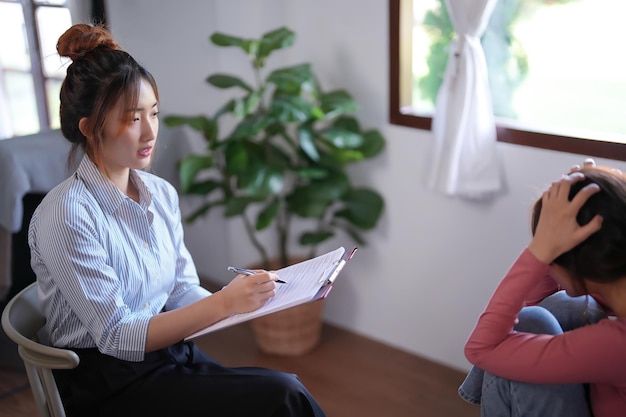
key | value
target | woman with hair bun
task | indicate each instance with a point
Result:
(117, 283)
(552, 339)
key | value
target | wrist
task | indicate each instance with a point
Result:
(541, 253)
(224, 305)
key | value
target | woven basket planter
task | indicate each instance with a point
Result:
(290, 332)
(293, 331)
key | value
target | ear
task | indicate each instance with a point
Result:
(82, 126)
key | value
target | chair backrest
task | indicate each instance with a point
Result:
(22, 319)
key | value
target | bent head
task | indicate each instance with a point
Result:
(602, 256)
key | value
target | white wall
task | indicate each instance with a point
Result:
(434, 261)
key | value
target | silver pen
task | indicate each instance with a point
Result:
(245, 271)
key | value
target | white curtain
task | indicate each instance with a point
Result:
(464, 159)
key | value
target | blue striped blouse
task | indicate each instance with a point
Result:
(105, 264)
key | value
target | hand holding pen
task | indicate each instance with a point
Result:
(244, 271)
(248, 291)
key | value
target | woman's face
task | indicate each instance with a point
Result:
(130, 144)
(572, 287)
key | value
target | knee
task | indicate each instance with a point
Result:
(288, 385)
(291, 382)
(297, 400)
(538, 320)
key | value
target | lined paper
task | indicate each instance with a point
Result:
(303, 279)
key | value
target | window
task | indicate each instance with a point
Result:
(31, 72)
(557, 78)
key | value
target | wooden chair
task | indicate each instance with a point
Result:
(22, 319)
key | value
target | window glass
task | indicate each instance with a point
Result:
(22, 103)
(52, 22)
(50, 2)
(554, 66)
(14, 52)
(31, 71)
(53, 89)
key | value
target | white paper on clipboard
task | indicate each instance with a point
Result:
(305, 281)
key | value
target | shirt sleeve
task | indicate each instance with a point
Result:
(76, 261)
(592, 354)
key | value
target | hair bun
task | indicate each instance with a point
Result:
(80, 39)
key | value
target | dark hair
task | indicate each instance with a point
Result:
(101, 73)
(602, 256)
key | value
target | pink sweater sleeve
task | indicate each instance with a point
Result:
(593, 354)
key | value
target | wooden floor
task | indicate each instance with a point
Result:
(348, 374)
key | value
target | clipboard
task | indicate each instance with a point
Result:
(306, 281)
(329, 280)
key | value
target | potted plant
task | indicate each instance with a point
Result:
(286, 157)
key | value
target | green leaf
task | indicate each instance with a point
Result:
(353, 233)
(289, 109)
(208, 127)
(315, 238)
(268, 214)
(204, 187)
(190, 166)
(226, 108)
(317, 113)
(346, 156)
(202, 211)
(276, 39)
(251, 47)
(363, 208)
(227, 81)
(337, 103)
(312, 173)
(348, 123)
(257, 169)
(235, 157)
(221, 39)
(291, 80)
(342, 138)
(250, 126)
(246, 106)
(307, 142)
(261, 180)
(373, 143)
(313, 199)
(306, 207)
(235, 206)
(251, 102)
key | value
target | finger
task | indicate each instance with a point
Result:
(589, 162)
(559, 187)
(590, 228)
(583, 195)
(266, 286)
(575, 177)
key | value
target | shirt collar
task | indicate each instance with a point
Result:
(108, 196)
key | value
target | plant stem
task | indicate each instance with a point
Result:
(282, 227)
(251, 233)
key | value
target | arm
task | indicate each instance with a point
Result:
(589, 354)
(578, 356)
(190, 307)
(98, 289)
(241, 295)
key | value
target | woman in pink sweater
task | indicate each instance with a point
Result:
(535, 363)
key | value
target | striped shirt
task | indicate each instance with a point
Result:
(105, 264)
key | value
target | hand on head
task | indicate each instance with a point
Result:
(557, 229)
(587, 163)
